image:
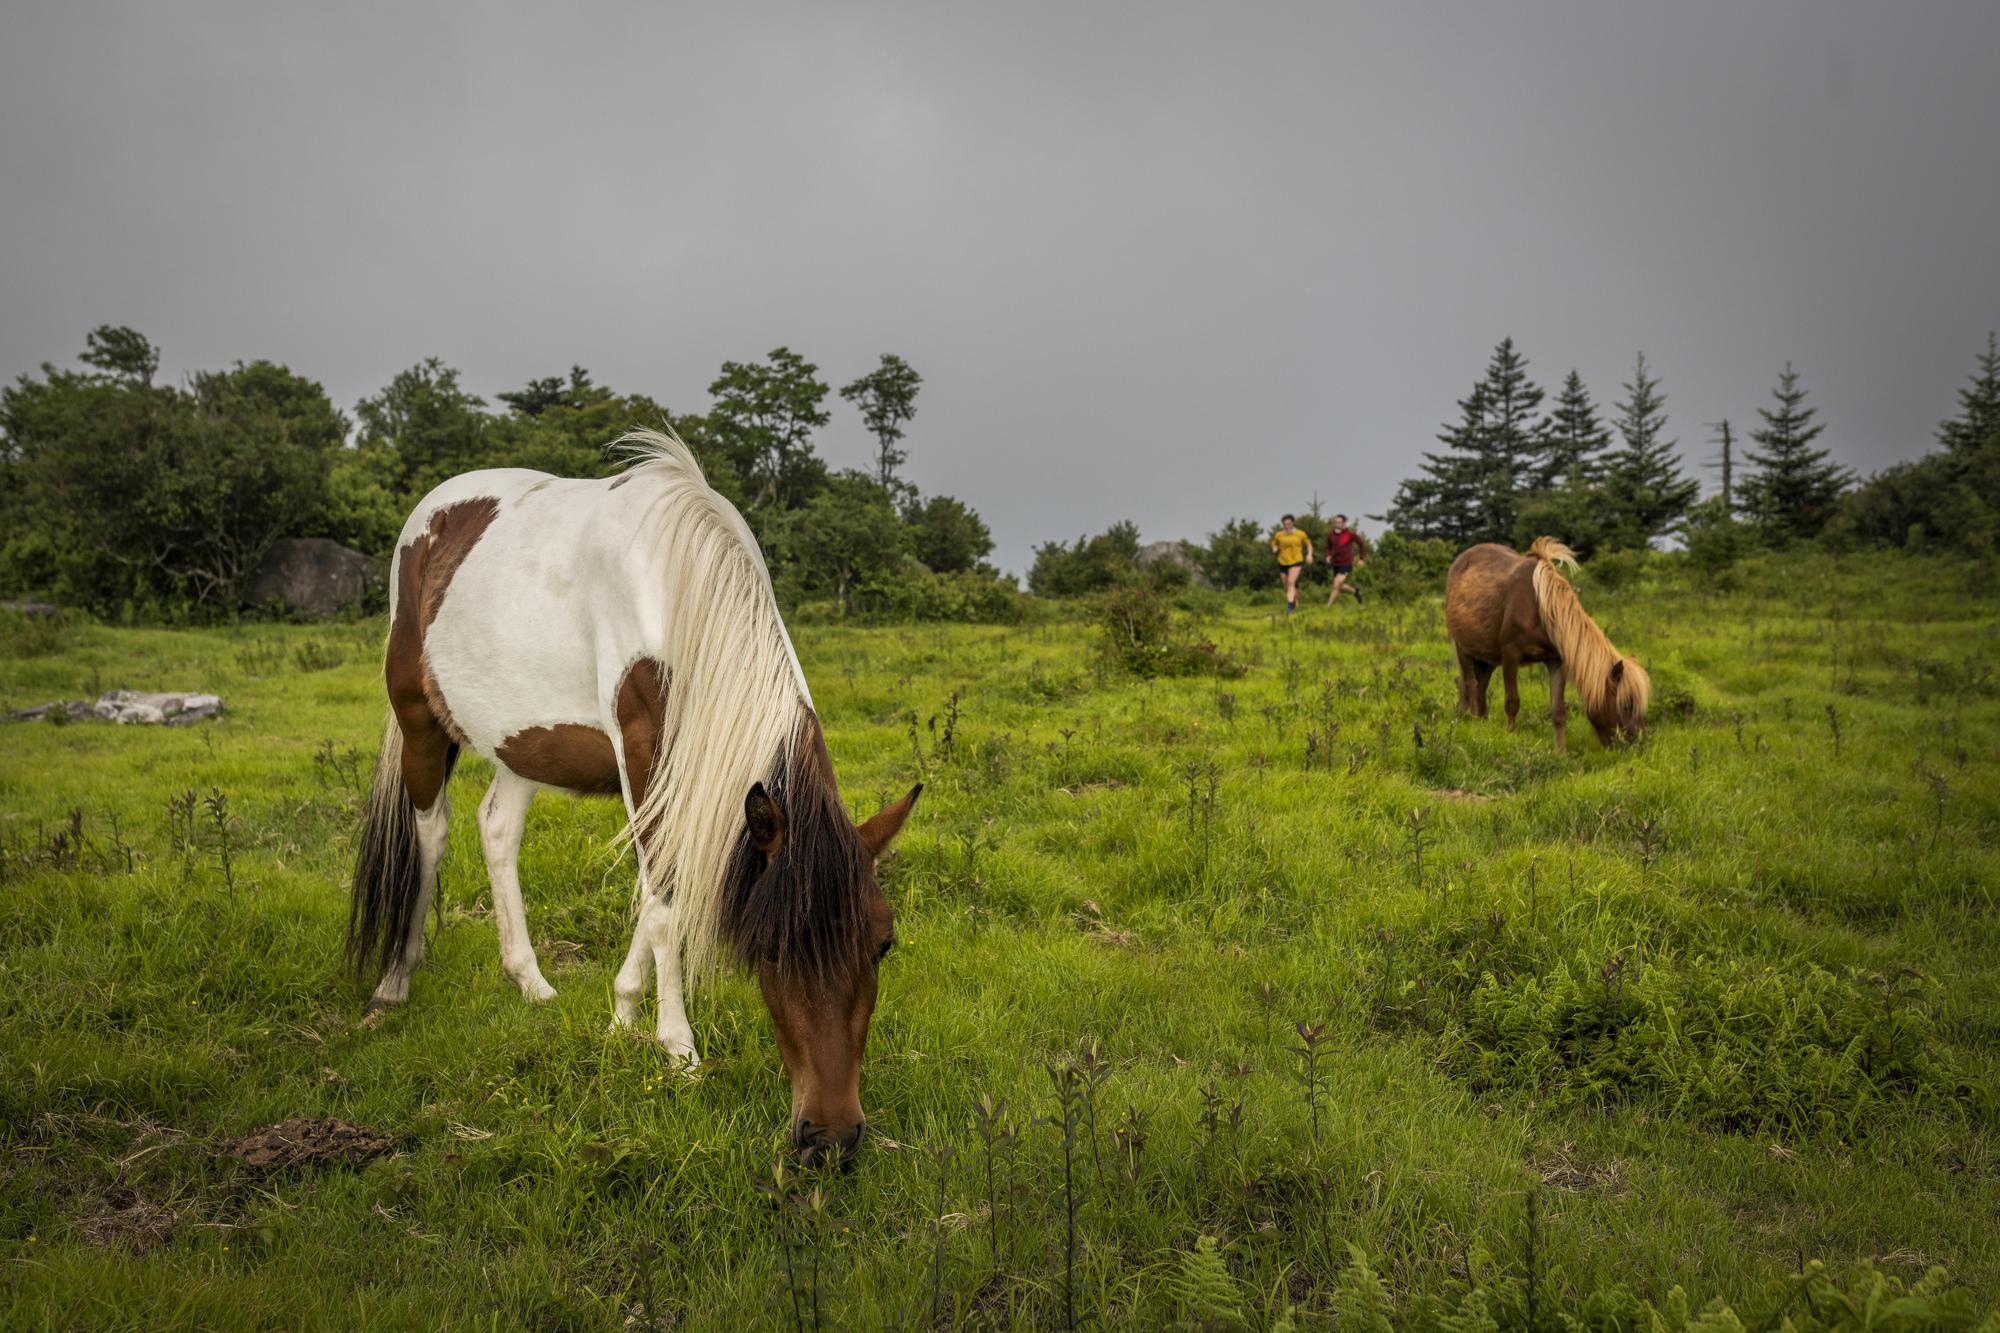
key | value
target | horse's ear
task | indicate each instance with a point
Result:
(766, 819)
(1618, 671)
(882, 827)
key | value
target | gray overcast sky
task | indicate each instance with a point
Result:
(1165, 262)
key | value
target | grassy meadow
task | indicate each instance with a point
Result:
(1605, 1038)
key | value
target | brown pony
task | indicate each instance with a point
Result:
(1503, 609)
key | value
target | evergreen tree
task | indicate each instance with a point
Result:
(1494, 455)
(1979, 418)
(1442, 500)
(1792, 486)
(1643, 485)
(1515, 442)
(1576, 439)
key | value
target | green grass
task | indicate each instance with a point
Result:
(1744, 1019)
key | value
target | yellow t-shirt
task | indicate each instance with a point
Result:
(1291, 546)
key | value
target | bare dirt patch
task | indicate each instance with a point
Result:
(125, 1220)
(1089, 918)
(303, 1144)
(1563, 1169)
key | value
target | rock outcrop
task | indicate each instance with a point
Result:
(313, 577)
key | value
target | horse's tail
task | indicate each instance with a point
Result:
(388, 870)
(1550, 551)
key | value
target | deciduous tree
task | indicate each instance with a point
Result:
(887, 397)
(764, 416)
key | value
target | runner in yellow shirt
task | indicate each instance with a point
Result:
(1294, 551)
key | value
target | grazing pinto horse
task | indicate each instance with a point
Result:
(619, 637)
(1503, 609)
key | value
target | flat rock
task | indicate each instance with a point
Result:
(127, 707)
(73, 710)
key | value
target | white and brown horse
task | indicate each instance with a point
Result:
(619, 637)
(1504, 609)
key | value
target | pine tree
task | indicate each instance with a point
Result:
(1643, 484)
(1515, 441)
(1979, 419)
(1576, 439)
(1443, 500)
(1472, 492)
(1792, 486)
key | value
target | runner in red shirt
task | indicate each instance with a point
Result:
(1346, 551)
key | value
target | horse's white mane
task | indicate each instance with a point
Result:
(1588, 655)
(735, 695)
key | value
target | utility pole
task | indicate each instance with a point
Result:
(1726, 460)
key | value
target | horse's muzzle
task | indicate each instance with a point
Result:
(819, 1146)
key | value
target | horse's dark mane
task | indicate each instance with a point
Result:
(804, 910)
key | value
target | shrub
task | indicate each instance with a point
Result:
(1142, 634)
(38, 635)
(1614, 570)
(1091, 565)
(1713, 538)
(1582, 516)
(967, 596)
(1949, 499)
(1402, 569)
(1238, 556)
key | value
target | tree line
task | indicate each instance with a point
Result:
(134, 497)
(1511, 471)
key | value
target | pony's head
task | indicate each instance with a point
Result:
(1620, 713)
(809, 917)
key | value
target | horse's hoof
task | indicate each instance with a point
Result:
(681, 1055)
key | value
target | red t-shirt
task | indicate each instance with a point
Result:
(1343, 546)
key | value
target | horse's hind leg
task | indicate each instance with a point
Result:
(1509, 666)
(1482, 676)
(427, 764)
(502, 815)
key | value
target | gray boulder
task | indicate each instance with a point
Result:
(127, 707)
(313, 576)
(1173, 554)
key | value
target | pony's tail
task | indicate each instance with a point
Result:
(1550, 551)
(388, 870)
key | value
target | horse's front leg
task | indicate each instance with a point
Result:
(655, 951)
(1558, 710)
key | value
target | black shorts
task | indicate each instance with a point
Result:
(1296, 564)
(1344, 570)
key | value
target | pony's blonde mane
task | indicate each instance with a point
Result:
(1587, 654)
(736, 700)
